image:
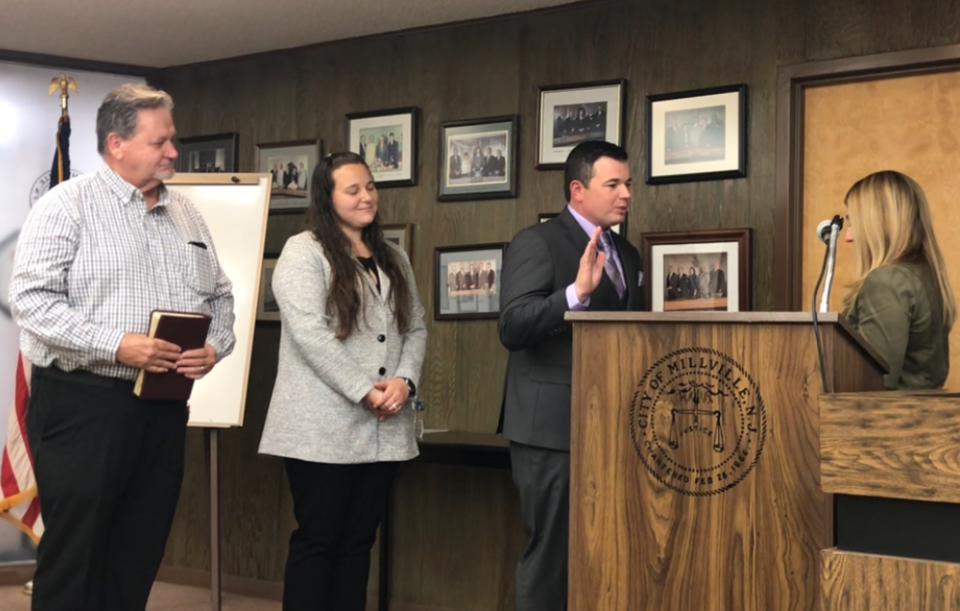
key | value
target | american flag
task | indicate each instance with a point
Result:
(19, 503)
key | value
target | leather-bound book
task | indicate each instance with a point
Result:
(185, 329)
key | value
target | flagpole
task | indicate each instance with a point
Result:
(61, 166)
(61, 169)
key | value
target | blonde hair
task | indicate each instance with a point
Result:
(118, 113)
(893, 224)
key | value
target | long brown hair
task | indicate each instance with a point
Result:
(344, 300)
(892, 224)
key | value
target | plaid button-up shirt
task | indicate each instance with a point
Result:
(92, 263)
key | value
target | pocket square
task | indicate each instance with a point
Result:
(639, 278)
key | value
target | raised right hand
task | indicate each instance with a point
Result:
(591, 268)
(142, 352)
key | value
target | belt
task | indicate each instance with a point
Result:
(80, 376)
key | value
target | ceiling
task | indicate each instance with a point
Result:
(175, 32)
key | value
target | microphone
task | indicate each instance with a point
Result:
(829, 234)
(823, 231)
(824, 228)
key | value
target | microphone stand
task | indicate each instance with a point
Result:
(831, 263)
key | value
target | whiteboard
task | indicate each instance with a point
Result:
(235, 208)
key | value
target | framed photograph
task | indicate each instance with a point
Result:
(466, 281)
(619, 228)
(697, 270)
(291, 165)
(400, 234)
(480, 159)
(571, 114)
(387, 141)
(697, 135)
(216, 153)
(267, 308)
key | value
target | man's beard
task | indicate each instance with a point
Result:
(164, 174)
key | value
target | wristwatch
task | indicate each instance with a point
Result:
(410, 386)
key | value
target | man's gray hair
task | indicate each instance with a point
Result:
(118, 113)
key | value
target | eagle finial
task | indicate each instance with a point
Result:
(63, 84)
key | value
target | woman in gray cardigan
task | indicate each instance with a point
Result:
(351, 347)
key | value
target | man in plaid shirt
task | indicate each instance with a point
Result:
(96, 256)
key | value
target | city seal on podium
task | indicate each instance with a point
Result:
(698, 422)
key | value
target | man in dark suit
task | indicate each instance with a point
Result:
(500, 164)
(718, 281)
(489, 163)
(473, 278)
(551, 268)
(672, 282)
(393, 152)
(454, 169)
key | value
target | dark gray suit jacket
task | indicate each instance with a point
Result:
(541, 262)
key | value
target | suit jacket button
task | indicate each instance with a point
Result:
(383, 370)
(381, 338)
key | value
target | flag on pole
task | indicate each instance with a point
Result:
(61, 157)
(19, 503)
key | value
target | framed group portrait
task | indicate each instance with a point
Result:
(571, 114)
(290, 165)
(214, 153)
(400, 234)
(478, 159)
(697, 270)
(387, 141)
(697, 135)
(466, 282)
(619, 228)
(267, 307)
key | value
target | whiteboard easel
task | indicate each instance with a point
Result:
(235, 208)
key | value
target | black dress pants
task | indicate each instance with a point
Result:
(109, 467)
(542, 477)
(338, 508)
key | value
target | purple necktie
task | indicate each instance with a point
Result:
(610, 265)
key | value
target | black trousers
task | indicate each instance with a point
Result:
(338, 509)
(542, 477)
(109, 468)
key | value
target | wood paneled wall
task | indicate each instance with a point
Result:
(485, 69)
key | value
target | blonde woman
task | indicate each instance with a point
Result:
(901, 302)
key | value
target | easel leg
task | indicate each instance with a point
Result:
(214, 519)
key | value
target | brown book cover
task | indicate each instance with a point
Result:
(185, 329)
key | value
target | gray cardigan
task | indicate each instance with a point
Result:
(316, 412)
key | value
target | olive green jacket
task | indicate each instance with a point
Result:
(898, 312)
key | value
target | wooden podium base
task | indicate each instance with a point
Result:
(853, 581)
(694, 479)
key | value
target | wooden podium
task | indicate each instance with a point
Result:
(695, 458)
(893, 460)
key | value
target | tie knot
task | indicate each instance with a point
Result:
(606, 244)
